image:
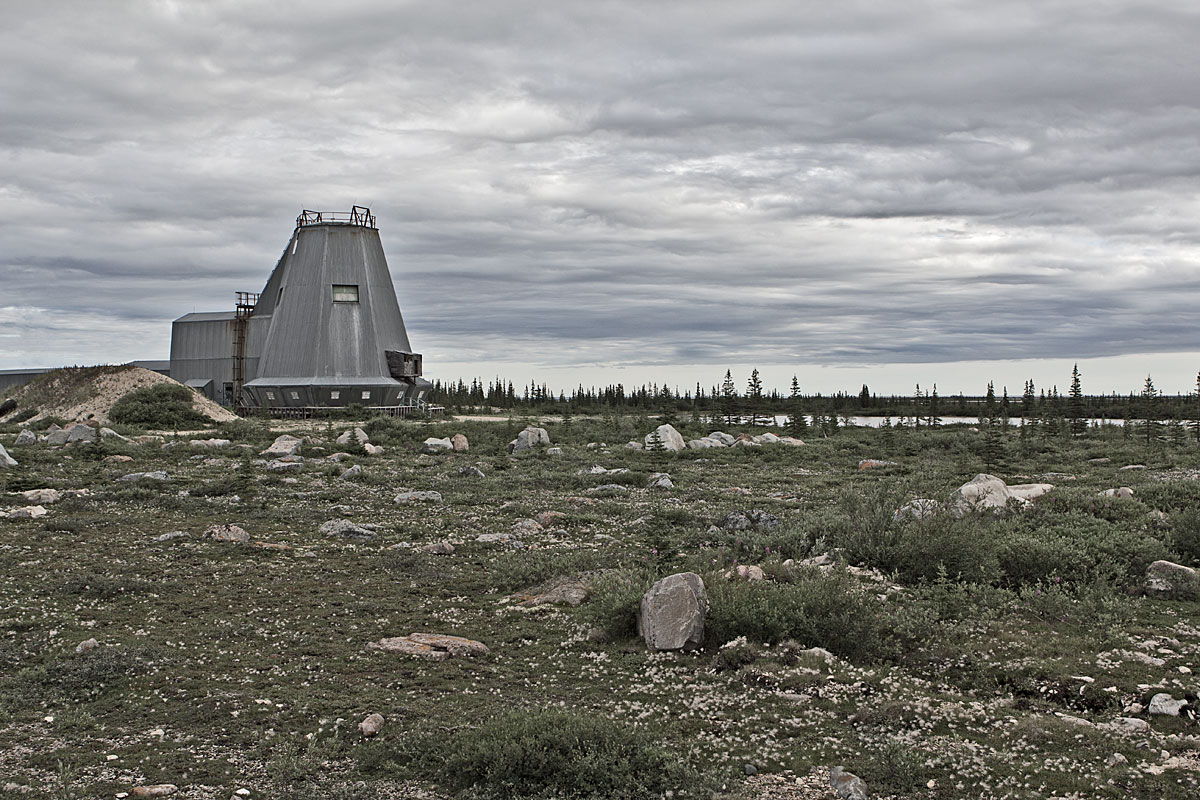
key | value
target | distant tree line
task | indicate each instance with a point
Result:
(1042, 410)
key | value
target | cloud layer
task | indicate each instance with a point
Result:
(616, 182)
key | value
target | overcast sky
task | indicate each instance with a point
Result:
(861, 191)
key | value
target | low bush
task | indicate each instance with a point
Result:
(1185, 536)
(1077, 547)
(561, 754)
(163, 405)
(614, 601)
(819, 610)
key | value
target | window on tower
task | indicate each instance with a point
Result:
(345, 293)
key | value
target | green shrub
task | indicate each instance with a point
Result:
(1077, 547)
(238, 483)
(819, 610)
(560, 754)
(614, 601)
(21, 416)
(244, 430)
(163, 405)
(1185, 535)
(917, 550)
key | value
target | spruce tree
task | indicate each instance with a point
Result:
(1028, 410)
(729, 409)
(1195, 421)
(796, 424)
(1150, 412)
(988, 413)
(887, 434)
(934, 409)
(754, 398)
(992, 446)
(1075, 412)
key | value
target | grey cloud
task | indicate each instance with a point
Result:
(617, 182)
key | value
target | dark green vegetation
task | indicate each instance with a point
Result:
(965, 650)
(163, 406)
(1177, 416)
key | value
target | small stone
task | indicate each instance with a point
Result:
(527, 526)
(156, 475)
(27, 512)
(660, 480)
(370, 726)
(566, 592)
(81, 434)
(25, 437)
(430, 646)
(373, 449)
(347, 530)
(751, 572)
(433, 445)
(206, 443)
(491, 538)
(409, 496)
(86, 646)
(157, 790)
(284, 445)
(438, 548)
(1163, 704)
(1116, 759)
(547, 518)
(554, 451)
(847, 785)
(749, 769)
(1128, 725)
(279, 465)
(42, 496)
(609, 488)
(226, 533)
(353, 472)
(460, 443)
(172, 536)
(117, 459)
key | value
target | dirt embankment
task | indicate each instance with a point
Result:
(89, 393)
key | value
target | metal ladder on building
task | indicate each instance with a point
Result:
(241, 323)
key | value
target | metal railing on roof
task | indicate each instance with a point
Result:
(358, 215)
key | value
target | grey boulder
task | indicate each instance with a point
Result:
(671, 615)
(528, 439)
(667, 439)
(1168, 579)
(283, 446)
(988, 493)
